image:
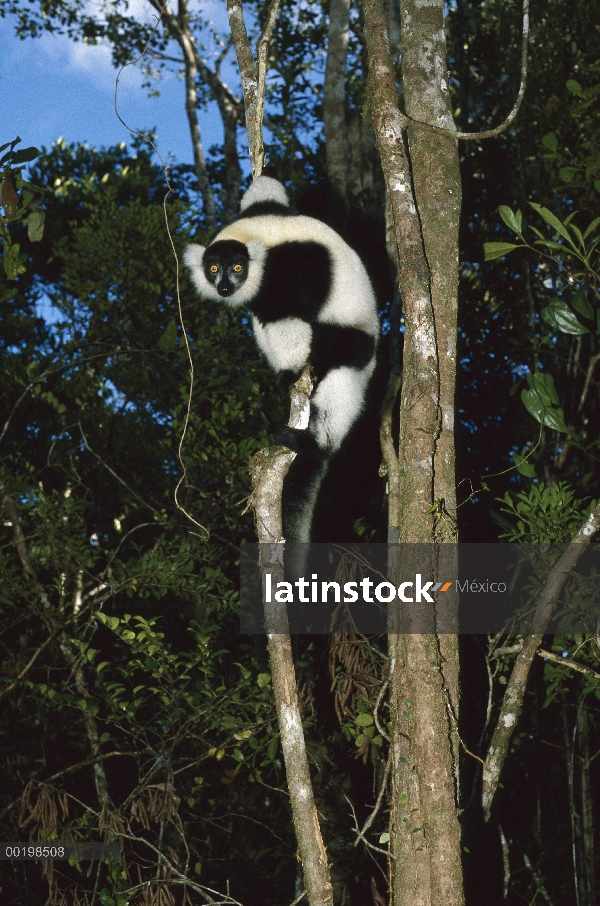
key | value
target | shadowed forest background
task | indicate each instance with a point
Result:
(130, 705)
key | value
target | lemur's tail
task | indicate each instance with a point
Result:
(300, 491)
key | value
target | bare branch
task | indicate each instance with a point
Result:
(253, 76)
(361, 834)
(515, 690)
(262, 49)
(268, 473)
(565, 662)
(537, 880)
(588, 379)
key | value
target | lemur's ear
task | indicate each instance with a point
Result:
(193, 256)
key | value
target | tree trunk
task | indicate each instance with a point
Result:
(423, 681)
(437, 186)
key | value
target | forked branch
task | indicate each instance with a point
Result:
(253, 75)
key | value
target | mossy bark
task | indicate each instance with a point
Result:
(423, 186)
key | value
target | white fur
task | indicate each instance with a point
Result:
(285, 343)
(351, 300)
(264, 189)
(338, 401)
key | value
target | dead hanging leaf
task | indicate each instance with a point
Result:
(163, 801)
(378, 899)
(9, 197)
(162, 804)
(43, 813)
(306, 695)
(111, 823)
(138, 811)
(165, 897)
(160, 896)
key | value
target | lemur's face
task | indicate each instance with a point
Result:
(226, 266)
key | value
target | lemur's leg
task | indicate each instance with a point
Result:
(343, 360)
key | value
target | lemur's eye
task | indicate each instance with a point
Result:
(237, 268)
(213, 268)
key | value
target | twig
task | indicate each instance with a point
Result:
(376, 708)
(297, 900)
(455, 723)
(373, 815)
(588, 379)
(30, 662)
(538, 881)
(113, 473)
(565, 662)
(515, 691)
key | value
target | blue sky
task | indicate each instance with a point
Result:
(51, 87)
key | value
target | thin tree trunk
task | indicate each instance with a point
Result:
(517, 684)
(586, 795)
(334, 102)
(253, 75)
(179, 27)
(570, 740)
(268, 473)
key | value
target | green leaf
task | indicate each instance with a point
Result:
(541, 401)
(550, 141)
(363, 720)
(567, 174)
(35, 226)
(575, 88)
(591, 227)
(493, 250)
(385, 838)
(523, 467)
(558, 315)
(263, 679)
(553, 220)
(513, 221)
(581, 304)
(105, 897)
(24, 155)
(169, 337)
